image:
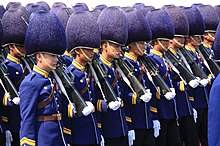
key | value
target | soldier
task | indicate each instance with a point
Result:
(141, 118)
(83, 36)
(199, 95)
(162, 31)
(63, 15)
(114, 31)
(39, 92)
(2, 128)
(213, 118)
(184, 108)
(211, 21)
(14, 28)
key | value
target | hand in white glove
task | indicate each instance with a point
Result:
(156, 126)
(169, 95)
(114, 105)
(147, 96)
(195, 116)
(131, 137)
(8, 138)
(173, 92)
(16, 100)
(194, 83)
(102, 143)
(204, 82)
(88, 109)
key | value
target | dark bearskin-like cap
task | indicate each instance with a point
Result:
(2, 11)
(45, 34)
(216, 45)
(138, 27)
(179, 20)
(138, 5)
(44, 4)
(82, 31)
(210, 17)
(161, 24)
(113, 25)
(195, 20)
(100, 7)
(15, 23)
(63, 15)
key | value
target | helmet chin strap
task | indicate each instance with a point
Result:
(87, 57)
(212, 37)
(19, 52)
(197, 43)
(139, 49)
(51, 67)
(111, 50)
(162, 45)
(178, 43)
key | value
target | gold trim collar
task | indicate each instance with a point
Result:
(14, 59)
(155, 52)
(78, 66)
(129, 56)
(190, 48)
(41, 71)
(106, 62)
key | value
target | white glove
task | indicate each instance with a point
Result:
(88, 109)
(147, 96)
(194, 83)
(156, 126)
(204, 82)
(114, 105)
(102, 143)
(169, 95)
(195, 116)
(16, 100)
(173, 92)
(131, 137)
(8, 138)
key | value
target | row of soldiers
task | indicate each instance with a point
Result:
(115, 76)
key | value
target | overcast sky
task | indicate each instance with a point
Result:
(92, 3)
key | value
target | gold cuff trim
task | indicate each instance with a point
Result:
(153, 109)
(28, 141)
(128, 119)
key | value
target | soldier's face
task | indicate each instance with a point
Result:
(114, 50)
(87, 54)
(47, 61)
(209, 36)
(142, 47)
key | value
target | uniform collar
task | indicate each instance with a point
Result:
(155, 52)
(190, 48)
(106, 62)
(14, 59)
(206, 45)
(96, 51)
(67, 54)
(173, 51)
(129, 56)
(41, 71)
(78, 66)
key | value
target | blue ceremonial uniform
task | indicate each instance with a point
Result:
(199, 95)
(184, 107)
(84, 129)
(166, 108)
(214, 115)
(141, 116)
(40, 106)
(68, 58)
(113, 123)
(11, 112)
